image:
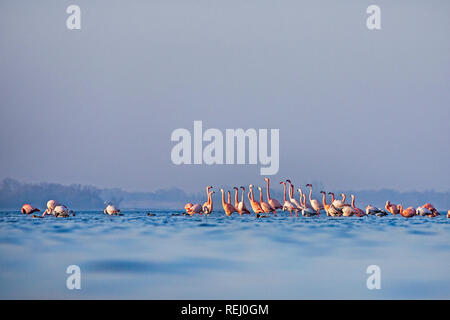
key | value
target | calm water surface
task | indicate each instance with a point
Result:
(218, 257)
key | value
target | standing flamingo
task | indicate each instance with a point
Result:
(358, 211)
(339, 204)
(315, 204)
(254, 204)
(264, 205)
(297, 205)
(333, 211)
(408, 212)
(307, 210)
(28, 209)
(274, 203)
(240, 206)
(326, 206)
(227, 207)
(206, 204)
(287, 205)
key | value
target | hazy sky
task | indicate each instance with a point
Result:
(356, 109)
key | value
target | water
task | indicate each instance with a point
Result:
(218, 257)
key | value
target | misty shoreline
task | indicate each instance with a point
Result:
(13, 194)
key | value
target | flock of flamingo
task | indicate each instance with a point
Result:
(313, 207)
(264, 209)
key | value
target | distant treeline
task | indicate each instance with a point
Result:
(13, 194)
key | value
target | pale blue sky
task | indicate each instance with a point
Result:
(356, 109)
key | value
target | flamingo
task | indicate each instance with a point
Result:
(307, 211)
(371, 210)
(227, 207)
(51, 205)
(192, 209)
(324, 202)
(287, 205)
(423, 211)
(408, 212)
(333, 211)
(298, 207)
(274, 203)
(240, 206)
(254, 204)
(206, 204)
(358, 211)
(347, 211)
(28, 209)
(315, 204)
(302, 200)
(339, 204)
(433, 210)
(264, 205)
(61, 211)
(392, 208)
(111, 210)
(448, 214)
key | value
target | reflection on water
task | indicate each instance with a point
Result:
(218, 257)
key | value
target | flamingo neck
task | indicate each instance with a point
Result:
(243, 191)
(332, 197)
(268, 192)
(229, 197)
(236, 197)
(343, 197)
(284, 193)
(260, 196)
(310, 193)
(292, 192)
(210, 200)
(353, 202)
(253, 197)
(223, 197)
(324, 199)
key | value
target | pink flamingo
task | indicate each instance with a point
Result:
(28, 209)
(315, 204)
(274, 203)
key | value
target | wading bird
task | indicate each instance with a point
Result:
(28, 209)
(264, 205)
(287, 205)
(227, 207)
(358, 211)
(371, 210)
(392, 208)
(408, 212)
(274, 203)
(240, 206)
(315, 204)
(111, 210)
(254, 204)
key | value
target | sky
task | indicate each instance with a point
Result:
(356, 109)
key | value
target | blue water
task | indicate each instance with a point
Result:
(218, 257)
